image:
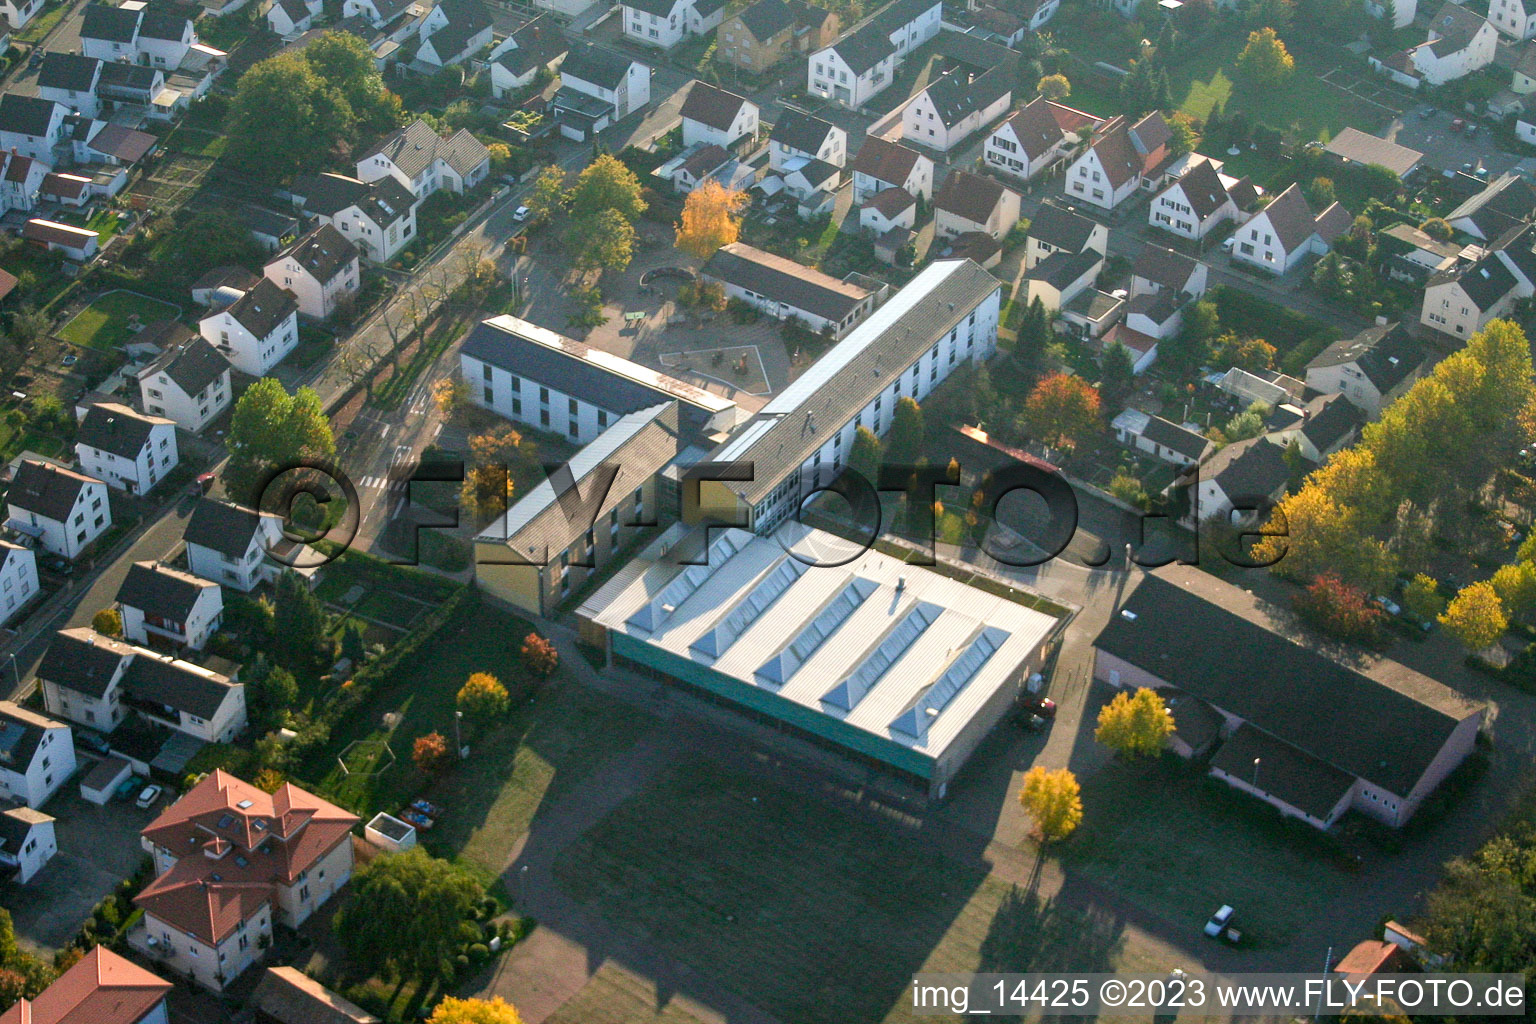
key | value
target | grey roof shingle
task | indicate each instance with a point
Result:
(26, 115)
(262, 309)
(602, 68)
(163, 25)
(865, 47)
(222, 527)
(71, 71)
(324, 252)
(177, 685)
(114, 24)
(783, 280)
(1203, 188)
(1291, 218)
(969, 196)
(1164, 267)
(1061, 228)
(1506, 202)
(466, 19)
(193, 364)
(384, 201)
(1036, 128)
(538, 43)
(959, 94)
(767, 18)
(1213, 640)
(161, 591)
(21, 733)
(1176, 438)
(801, 132)
(711, 106)
(1308, 783)
(1387, 355)
(885, 161)
(82, 660)
(1248, 470)
(1061, 268)
(114, 428)
(46, 490)
(1330, 421)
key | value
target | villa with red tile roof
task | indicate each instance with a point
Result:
(103, 988)
(230, 860)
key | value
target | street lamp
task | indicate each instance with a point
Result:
(522, 899)
(458, 739)
(1256, 773)
(15, 672)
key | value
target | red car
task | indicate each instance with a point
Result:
(1042, 706)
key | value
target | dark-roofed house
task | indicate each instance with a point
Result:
(96, 681)
(1160, 438)
(1413, 256)
(1056, 228)
(292, 18)
(665, 23)
(27, 842)
(37, 755)
(21, 181)
(958, 104)
(783, 289)
(1287, 231)
(188, 382)
(164, 607)
(75, 243)
(63, 509)
(854, 69)
(257, 330)
(713, 116)
(888, 210)
(230, 862)
(111, 33)
(1461, 300)
(321, 270)
(18, 579)
(378, 13)
(288, 996)
(535, 554)
(880, 165)
(597, 88)
(1318, 428)
(1198, 202)
(379, 217)
(103, 988)
(1372, 369)
(798, 135)
(70, 79)
(1504, 203)
(969, 202)
(165, 38)
(130, 83)
(1460, 42)
(1239, 479)
(532, 375)
(452, 32)
(1036, 137)
(517, 59)
(764, 33)
(128, 450)
(1120, 161)
(1163, 284)
(229, 543)
(32, 126)
(1389, 735)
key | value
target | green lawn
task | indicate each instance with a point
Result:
(104, 222)
(806, 911)
(1180, 846)
(104, 323)
(43, 23)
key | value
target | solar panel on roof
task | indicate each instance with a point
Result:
(931, 702)
(784, 664)
(898, 640)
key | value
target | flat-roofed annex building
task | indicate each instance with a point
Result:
(570, 526)
(888, 662)
(946, 316)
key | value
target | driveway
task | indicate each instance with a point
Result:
(1444, 149)
(98, 848)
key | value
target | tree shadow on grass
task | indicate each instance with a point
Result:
(1031, 934)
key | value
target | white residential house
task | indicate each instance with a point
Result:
(257, 330)
(950, 110)
(1513, 18)
(379, 217)
(1160, 438)
(597, 88)
(1460, 42)
(229, 544)
(378, 13)
(320, 269)
(96, 680)
(27, 843)
(1057, 229)
(37, 755)
(18, 12)
(31, 126)
(63, 509)
(292, 18)
(1163, 284)
(1036, 138)
(1126, 157)
(887, 210)
(853, 70)
(665, 23)
(112, 33)
(1402, 11)
(1200, 201)
(126, 449)
(798, 135)
(1462, 300)
(21, 181)
(165, 38)
(1371, 369)
(713, 116)
(880, 165)
(162, 606)
(908, 24)
(516, 60)
(1238, 480)
(189, 382)
(968, 202)
(452, 32)
(18, 579)
(71, 79)
(1286, 231)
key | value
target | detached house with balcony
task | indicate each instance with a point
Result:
(665, 23)
(128, 450)
(37, 755)
(96, 680)
(424, 162)
(257, 330)
(1036, 138)
(715, 117)
(767, 32)
(880, 165)
(379, 217)
(853, 70)
(598, 88)
(1286, 231)
(321, 270)
(189, 382)
(1202, 200)
(63, 509)
(165, 607)
(1124, 158)
(230, 543)
(232, 862)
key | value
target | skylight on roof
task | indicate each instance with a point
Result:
(779, 668)
(897, 641)
(931, 702)
(660, 608)
(757, 601)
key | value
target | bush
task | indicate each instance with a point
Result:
(1340, 610)
(479, 953)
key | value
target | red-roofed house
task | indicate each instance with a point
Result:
(103, 988)
(230, 859)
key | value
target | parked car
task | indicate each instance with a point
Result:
(59, 566)
(202, 485)
(1456, 124)
(36, 60)
(426, 807)
(521, 214)
(1228, 242)
(1036, 705)
(147, 797)
(1219, 921)
(129, 786)
(1471, 128)
(1388, 605)
(92, 741)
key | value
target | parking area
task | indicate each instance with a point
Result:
(1445, 149)
(98, 848)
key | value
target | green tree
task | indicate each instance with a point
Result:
(1482, 914)
(285, 120)
(864, 457)
(352, 646)
(1320, 192)
(1054, 799)
(405, 912)
(108, 622)
(344, 63)
(547, 199)
(298, 625)
(1437, 228)
(606, 184)
(1117, 373)
(211, 238)
(1516, 586)
(483, 698)
(273, 695)
(271, 430)
(905, 443)
(604, 241)
(1265, 63)
(1136, 724)
(1476, 616)
(1421, 597)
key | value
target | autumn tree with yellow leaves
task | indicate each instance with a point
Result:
(711, 219)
